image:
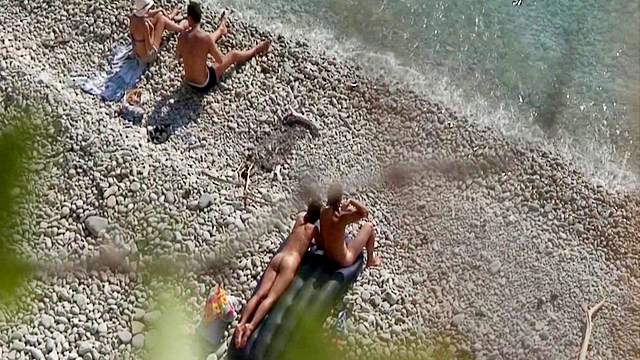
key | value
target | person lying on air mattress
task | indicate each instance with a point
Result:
(279, 274)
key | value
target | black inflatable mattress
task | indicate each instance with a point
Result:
(317, 287)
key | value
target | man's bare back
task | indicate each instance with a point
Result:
(195, 45)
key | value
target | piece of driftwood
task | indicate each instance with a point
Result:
(588, 328)
(51, 43)
(294, 118)
(219, 179)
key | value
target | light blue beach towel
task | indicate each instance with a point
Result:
(122, 74)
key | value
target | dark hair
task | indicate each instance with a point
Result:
(334, 196)
(194, 12)
(313, 211)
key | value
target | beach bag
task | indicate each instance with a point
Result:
(219, 311)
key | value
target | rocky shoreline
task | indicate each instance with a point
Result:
(493, 244)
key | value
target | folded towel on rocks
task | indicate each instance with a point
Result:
(122, 74)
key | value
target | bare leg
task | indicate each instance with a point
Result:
(365, 238)
(281, 284)
(266, 284)
(236, 57)
(161, 24)
(221, 30)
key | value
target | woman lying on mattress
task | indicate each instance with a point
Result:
(279, 274)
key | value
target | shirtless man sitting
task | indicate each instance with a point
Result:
(334, 219)
(194, 45)
(279, 274)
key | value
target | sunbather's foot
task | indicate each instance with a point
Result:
(237, 336)
(375, 261)
(248, 329)
(263, 47)
(222, 28)
(174, 14)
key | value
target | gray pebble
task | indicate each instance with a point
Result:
(135, 187)
(458, 320)
(36, 354)
(17, 345)
(102, 328)
(494, 267)
(46, 321)
(50, 345)
(96, 224)
(137, 327)
(80, 300)
(84, 348)
(205, 201)
(124, 336)
(138, 341)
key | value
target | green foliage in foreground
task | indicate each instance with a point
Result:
(15, 145)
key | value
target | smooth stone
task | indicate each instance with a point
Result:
(17, 335)
(390, 298)
(31, 339)
(102, 328)
(169, 197)
(35, 353)
(81, 300)
(46, 321)
(84, 348)
(151, 317)
(396, 330)
(17, 345)
(64, 212)
(138, 314)
(135, 187)
(110, 192)
(494, 267)
(53, 356)
(111, 202)
(137, 327)
(212, 357)
(96, 224)
(138, 341)
(124, 336)
(458, 320)
(221, 350)
(50, 345)
(205, 201)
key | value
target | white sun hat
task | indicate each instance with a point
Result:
(141, 7)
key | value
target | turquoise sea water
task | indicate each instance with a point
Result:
(558, 72)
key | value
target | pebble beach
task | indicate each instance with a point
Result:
(488, 244)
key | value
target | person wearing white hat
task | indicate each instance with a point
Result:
(195, 45)
(146, 27)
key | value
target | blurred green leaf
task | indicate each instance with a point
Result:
(15, 152)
